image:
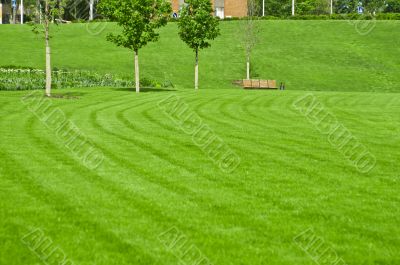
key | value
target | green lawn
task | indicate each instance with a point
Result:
(154, 177)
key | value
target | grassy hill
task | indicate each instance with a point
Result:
(307, 55)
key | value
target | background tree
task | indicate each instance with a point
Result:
(52, 9)
(392, 6)
(139, 19)
(250, 30)
(374, 6)
(38, 11)
(77, 10)
(312, 7)
(196, 27)
(277, 7)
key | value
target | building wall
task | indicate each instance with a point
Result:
(175, 5)
(232, 8)
(235, 8)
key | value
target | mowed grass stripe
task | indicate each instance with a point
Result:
(147, 173)
(162, 218)
(185, 191)
(55, 191)
(76, 221)
(268, 135)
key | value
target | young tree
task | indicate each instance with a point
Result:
(139, 19)
(250, 30)
(52, 9)
(196, 27)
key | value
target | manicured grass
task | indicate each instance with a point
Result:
(154, 177)
(307, 55)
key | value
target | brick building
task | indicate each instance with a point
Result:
(222, 8)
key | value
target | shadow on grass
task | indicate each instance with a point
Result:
(68, 95)
(144, 89)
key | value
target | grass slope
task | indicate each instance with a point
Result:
(307, 55)
(154, 177)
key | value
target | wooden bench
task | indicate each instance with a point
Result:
(61, 21)
(259, 84)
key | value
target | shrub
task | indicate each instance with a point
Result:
(20, 78)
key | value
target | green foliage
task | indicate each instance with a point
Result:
(312, 7)
(392, 6)
(388, 16)
(55, 12)
(279, 8)
(138, 18)
(25, 78)
(56, 8)
(348, 16)
(197, 25)
(148, 82)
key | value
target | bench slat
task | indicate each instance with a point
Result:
(260, 84)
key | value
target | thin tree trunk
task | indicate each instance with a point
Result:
(14, 15)
(48, 53)
(293, 7)
(248, 68)
(196, 71)
(22, 11)
(263, 7)
(91, 3)
(137, 80)
(38, 11)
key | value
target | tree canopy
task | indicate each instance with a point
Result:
(197, 25)
(138, 18)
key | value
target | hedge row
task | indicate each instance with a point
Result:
(25, 78)
(351, 16)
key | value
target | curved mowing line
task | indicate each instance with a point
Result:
(61, 206)
(145, 207)
(232, 191)
(235, 213)
(260, 127)
(146, 112)
(184, 190)
(339, 164)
